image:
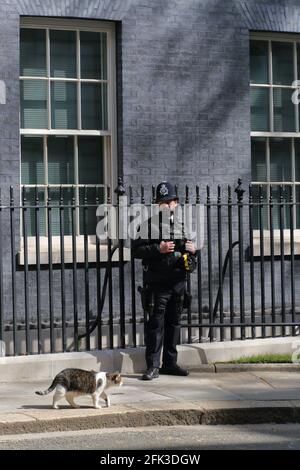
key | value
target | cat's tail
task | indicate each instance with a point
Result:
(49, 390)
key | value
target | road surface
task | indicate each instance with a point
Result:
(259, 436)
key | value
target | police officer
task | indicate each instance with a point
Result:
(165, 264)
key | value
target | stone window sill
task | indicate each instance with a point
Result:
(267, 242)
(68, 251)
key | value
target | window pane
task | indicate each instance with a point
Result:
(280, 214)
(67, 195)
(259, 213)
(297, 160)
(90, 169)
(283, 64)
(93, 55)
(32, 172)
(258, 159)
(33, 52)
(32, 213)
(94, 106)
(298, 60)
(90, 160)
(63, 54)
(297, 207)
(87, 216)
(63, 105)
(259, 61)
(34, 104)
(32, 162)
(284, 110)
(61, 160)
(259, 109)
(280, 160)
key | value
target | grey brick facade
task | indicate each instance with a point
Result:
(182, 81)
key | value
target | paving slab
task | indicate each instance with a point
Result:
(172, 405)
(280, 379)
(15, 417)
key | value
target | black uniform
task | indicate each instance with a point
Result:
(165, 275)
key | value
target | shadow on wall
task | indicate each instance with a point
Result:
(196, 87)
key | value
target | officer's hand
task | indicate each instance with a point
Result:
(166, 247)
(190, 247)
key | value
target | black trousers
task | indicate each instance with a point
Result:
(163, 326)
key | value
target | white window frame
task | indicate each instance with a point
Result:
(109, 135)
(279, 37)
(292, 39)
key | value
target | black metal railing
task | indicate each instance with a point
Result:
(64, 289)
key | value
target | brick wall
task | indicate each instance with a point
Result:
(182, 80)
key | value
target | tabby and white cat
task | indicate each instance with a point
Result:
(71, 383)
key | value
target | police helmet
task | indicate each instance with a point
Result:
(165, 192)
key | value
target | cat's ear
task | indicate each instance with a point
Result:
(115, 376)
(110, 375)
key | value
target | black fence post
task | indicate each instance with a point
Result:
(189, 312)
(292, 254)
(109, 271)
(86, 270)
(251, 257)
(262, 259)
(132, 271)
(199, 270)
(282, 264)
(240, 194)
(209, 261)
(13, 267)
(62, 267)
(271, 228)
(38, 269)
(220, 261)
(50, 261)
(25, 250)
(74, 266)
(230, 252)
(98, 276)
(149, 235)
(120, 191)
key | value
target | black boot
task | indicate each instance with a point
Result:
(173, 370)
(151, 373)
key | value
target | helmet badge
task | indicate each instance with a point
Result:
(163, 190)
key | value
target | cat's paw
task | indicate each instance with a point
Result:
(55, 407)
(97, 407)
(107, 403)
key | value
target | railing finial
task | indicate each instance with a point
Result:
(120, 190)
(239, 190)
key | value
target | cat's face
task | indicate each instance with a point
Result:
(115, 378)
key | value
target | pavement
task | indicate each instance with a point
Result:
(213, 395)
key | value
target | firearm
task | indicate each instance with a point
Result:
(147, 298)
